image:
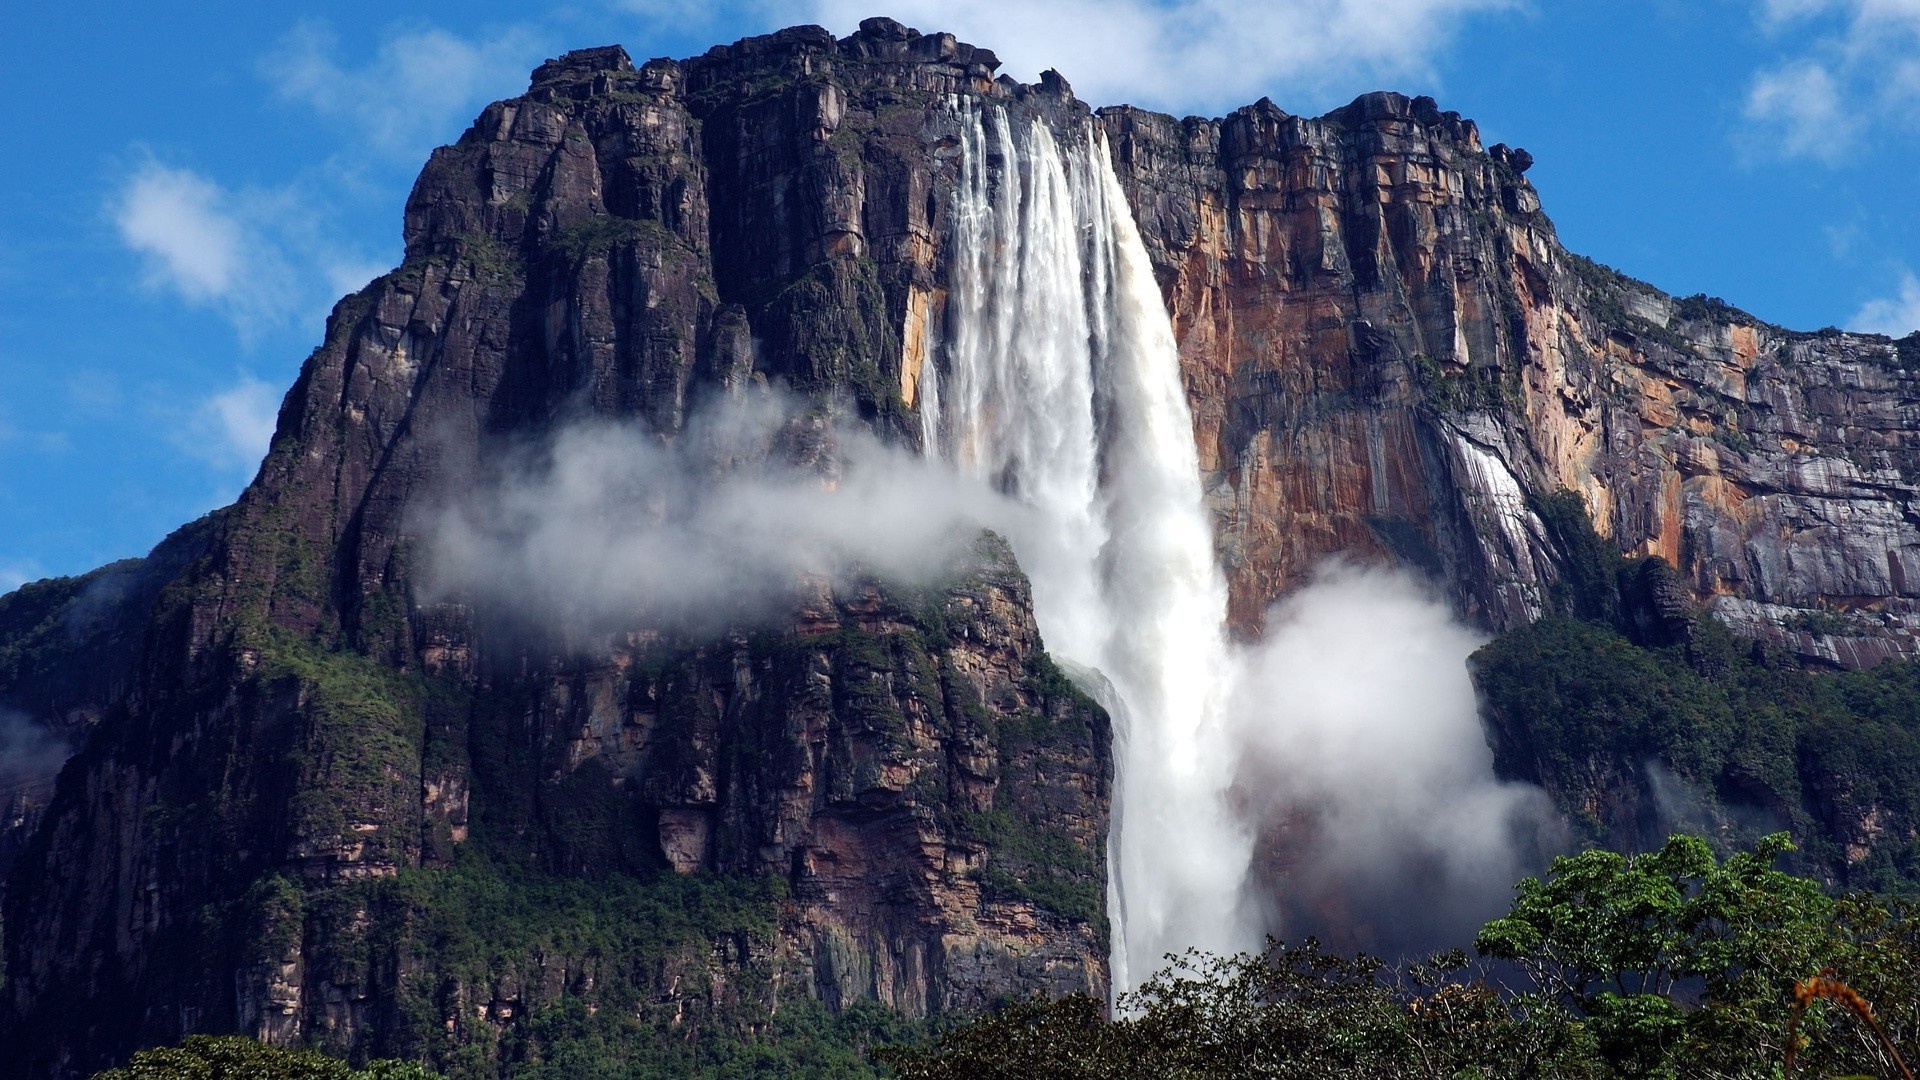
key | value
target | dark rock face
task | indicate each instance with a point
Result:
(68, 649)
(1386, 351)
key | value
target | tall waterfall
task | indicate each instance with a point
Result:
(1062, 387)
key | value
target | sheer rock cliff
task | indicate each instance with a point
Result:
(292, 759)
(1388, 351)
(305, 766)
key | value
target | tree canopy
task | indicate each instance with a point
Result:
(1666, 964)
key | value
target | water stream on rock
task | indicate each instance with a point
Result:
(1062, 388)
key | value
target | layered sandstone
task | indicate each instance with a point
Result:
(1388, 351)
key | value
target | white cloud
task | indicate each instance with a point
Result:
(230, 430)
(1895, 316)
(185, 226)
(260, 257)
(1851, 67)
(1191, 54)
(213, 246)
(416, 91)
(1801, 108)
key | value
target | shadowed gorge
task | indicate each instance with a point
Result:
(722, 585)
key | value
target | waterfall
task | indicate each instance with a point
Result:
(1062, 387)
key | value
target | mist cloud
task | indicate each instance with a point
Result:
(30, 754)
(1352, 745)
(1364, 767)
(610, 525)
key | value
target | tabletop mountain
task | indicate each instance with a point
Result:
(313, 802)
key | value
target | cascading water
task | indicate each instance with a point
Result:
(1062, 387)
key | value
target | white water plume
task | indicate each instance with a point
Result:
(1346, 748)
(1063, 388)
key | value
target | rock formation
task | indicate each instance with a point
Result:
(1388, 351)
(290, 756)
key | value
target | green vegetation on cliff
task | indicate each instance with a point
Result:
(466, 894)
(1638, 721)
(1666, 964)
(490, 970)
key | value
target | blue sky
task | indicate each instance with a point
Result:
(188, 191)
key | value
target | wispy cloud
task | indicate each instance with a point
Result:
(1853, 65)
(1185, 54)
(1897, 315)
(416, 90)
(263, 256)
(94, 393)
(260, 257)
(230, 430)
(1800, 108)
(185, 226)
(687, 16)
(17, 572)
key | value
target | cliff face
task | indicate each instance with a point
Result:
(908, 801)
(310, 767)
(68, 650)
(1388, 351)
(307, 765)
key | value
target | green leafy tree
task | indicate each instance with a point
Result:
(1680, 964)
